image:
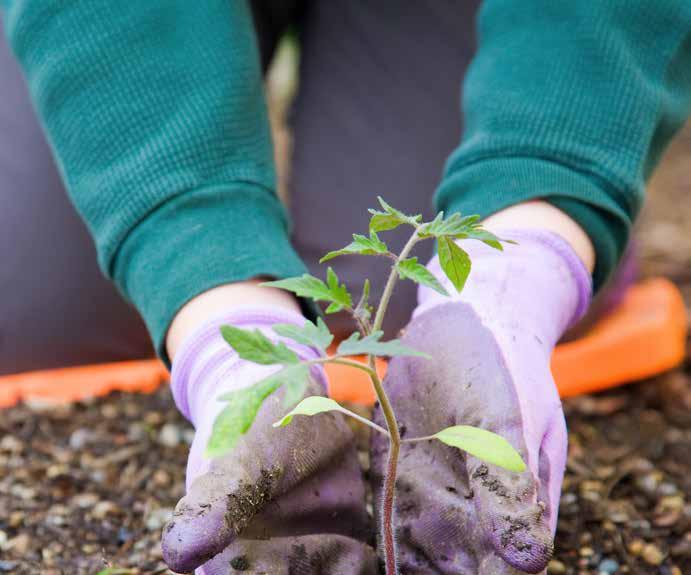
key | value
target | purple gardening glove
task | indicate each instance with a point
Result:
(287, 500)
(491, 347)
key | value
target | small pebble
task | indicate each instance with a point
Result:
(568, 499)
(188, 436)
(124, 535)
(668, 488)
(8, 566)
(85, 500)
(608, 567)
(157, 518)
(635, 547)
(79, 438)
(103, 509)
(556, 567)
(153, 417)
(170, 435)
(161, 478)
(652, 555)
(19, 545)
(11, 443)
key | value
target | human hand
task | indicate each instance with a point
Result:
(283, 501)
(491, 346)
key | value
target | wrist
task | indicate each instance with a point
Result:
(220, 301)
(539, 215)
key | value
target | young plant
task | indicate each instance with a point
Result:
(243, 405)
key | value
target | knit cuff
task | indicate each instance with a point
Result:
(200, 240)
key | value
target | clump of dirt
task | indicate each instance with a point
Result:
(249, 498)
(492, 484)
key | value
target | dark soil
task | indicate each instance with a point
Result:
(88, 486)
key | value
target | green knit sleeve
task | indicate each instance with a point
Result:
(572, 102)
(156, 115)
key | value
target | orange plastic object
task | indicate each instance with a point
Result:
(643, 336)
(75, 383)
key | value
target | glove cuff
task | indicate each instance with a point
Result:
(205, 357)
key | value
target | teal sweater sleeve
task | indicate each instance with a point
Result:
(572, 102)
(156, 115)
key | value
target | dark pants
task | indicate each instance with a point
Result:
(379, 81)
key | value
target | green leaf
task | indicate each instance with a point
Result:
(312, 405)
(415, 271)
(294, 377)
(294, 380)
(484, 445)
(454, 261)
(390, 218)
(363, 310)
(254, 346)
(488, 238)
(362, 245)
(455, 225)
(237, 417)
(340, 296)
(371, 345)
(310, 334)
(117, 571)
(314, 288)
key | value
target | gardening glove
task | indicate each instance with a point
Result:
(491, 347)
(287, 500)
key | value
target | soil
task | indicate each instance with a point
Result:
(90, 485)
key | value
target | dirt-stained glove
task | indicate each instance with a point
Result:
(287, 500)
(491, 347)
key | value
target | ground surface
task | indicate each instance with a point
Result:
(90, 485)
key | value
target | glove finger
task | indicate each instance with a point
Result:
(511, 515)
(482, 514)
(330, 501)
(326, 554)
(493, 564)
(264, 464)
(553, 453)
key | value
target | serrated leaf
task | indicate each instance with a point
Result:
(488, 238)
(371, 344)
(238, 415)
(294, 377)
(310, 334)
(415, 271)
(484, 445)
(363, 245)
(390, 218)
(455, 225)
(254, 346)
(454, 261)
(314, 288)
(340, 296)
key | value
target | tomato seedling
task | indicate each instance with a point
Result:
(242, 405)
